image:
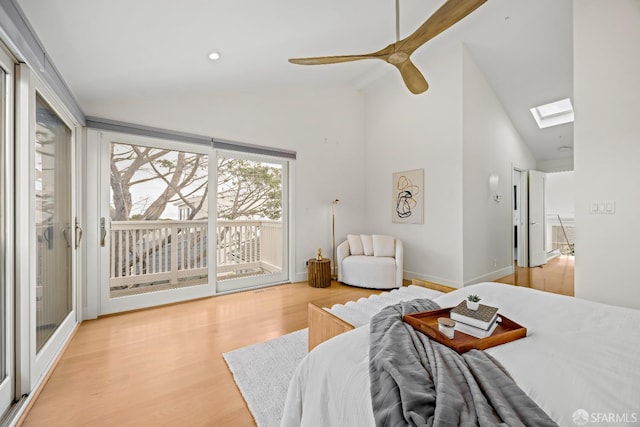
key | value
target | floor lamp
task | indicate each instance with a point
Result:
(333, 237)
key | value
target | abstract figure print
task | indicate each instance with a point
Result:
(407, 197)
(406, 201)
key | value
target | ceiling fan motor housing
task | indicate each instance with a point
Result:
(397, 57)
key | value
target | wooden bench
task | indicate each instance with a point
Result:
(324, 325)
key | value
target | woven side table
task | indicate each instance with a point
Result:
(319, 273)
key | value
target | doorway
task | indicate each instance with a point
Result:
(543, 208)
(154, 222)
(560, 213)
(181, 220)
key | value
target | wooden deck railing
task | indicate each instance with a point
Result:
(174, 253)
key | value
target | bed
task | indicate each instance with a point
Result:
(578, 355)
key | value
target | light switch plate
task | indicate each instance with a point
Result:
(602, 207)
(610, 207)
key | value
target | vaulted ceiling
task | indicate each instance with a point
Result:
(115, 49)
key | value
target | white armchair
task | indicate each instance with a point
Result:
(370, 261)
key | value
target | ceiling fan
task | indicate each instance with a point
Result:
(398, 53)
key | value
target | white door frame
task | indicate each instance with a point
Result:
(7, 241)
(31, 367)
(106, 304)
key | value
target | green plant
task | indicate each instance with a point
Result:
(473, 298)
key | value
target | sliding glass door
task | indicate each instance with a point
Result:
(47, 223)
(7, 377)
(252, 221)
(159, 239)
(39, 234)
(54, 224)
(154, 223)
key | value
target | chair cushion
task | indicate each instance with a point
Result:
(355, 244)
(367, 244)
(369, 272)
(383, 245)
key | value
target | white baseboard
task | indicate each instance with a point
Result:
(491, 276)
(553, 254)
(409, 275)
(87, 315)
(300, 277)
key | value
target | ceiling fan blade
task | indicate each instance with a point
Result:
(449, 13)
(331, 59)
(413, 78)
(381, 54)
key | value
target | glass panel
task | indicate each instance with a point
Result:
(249, 227)
(53, 221)
(159, 219)
(3, 227)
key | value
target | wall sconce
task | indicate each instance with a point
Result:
(494, 184)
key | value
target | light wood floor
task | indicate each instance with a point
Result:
(556, 276)
(164, 366)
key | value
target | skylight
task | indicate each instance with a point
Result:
(554, 113)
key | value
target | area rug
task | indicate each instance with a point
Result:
(263, 371)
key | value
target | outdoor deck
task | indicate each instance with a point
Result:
(148, 256)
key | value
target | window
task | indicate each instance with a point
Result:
(554, 113)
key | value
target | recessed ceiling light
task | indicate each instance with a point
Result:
(554, 113)
(565, 148)
(214, 56)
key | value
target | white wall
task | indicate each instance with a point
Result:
(325, 127)
(607, 148)
(405, 132)
(555, 165)
(490, 145)
(560, 194)
(459, 133)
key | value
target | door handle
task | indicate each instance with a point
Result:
(65, 233)
(47, 234)
(103, 231)
(79, 232)
(532, 223)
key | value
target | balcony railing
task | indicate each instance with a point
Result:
(560, 233)
(155, 255)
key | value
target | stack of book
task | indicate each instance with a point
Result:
(478, 323)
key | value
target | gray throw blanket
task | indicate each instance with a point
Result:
(418, 382)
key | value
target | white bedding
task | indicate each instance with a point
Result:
(359, 313)
(577, 355)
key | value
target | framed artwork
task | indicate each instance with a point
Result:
(408, 197)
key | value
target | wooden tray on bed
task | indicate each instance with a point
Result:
(427, 323)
